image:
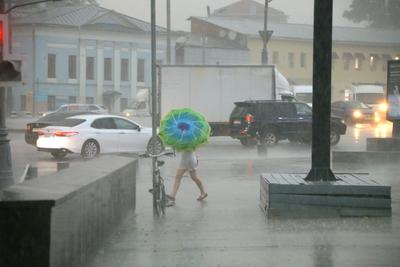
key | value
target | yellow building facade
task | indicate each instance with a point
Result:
(351, 62)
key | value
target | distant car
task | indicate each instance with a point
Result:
(128, 112)
(80, 107)
(32, 128)
(90, 135)
(354, 112)
(270, 121)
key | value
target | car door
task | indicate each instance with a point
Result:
(338, 109)
(286, 118)
(304, 119)
(106, 133)
(130, 135)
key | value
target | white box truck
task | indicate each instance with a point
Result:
(213, 89)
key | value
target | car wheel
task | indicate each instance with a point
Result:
(248, 142)
(269, 138)
(335, 137)
(58, 154)
(90, 149)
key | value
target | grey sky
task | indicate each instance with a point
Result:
(299, 11)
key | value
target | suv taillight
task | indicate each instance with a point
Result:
(249, 118)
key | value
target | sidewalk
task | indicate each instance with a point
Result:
(229, 229)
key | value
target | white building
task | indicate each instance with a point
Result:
(81, 54)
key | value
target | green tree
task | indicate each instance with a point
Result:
(377, 13)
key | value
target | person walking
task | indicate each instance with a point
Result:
(188, 163)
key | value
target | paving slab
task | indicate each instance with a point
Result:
(229, 228)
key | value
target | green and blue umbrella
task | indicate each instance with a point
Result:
(184, 129)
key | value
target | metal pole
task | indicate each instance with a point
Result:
(321, 157)
(264, 53)
(6, 174)
(168, 31)
(153, 94)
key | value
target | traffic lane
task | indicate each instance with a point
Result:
(217, 148)
(356, 135)
(23, 154)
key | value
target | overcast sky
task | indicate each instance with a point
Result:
(299, 11)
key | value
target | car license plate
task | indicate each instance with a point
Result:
(237, 122)
(35, 130)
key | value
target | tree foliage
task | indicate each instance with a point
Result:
(377, 13)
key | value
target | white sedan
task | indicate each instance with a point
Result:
(90, 135)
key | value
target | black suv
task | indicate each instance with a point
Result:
(270, 121)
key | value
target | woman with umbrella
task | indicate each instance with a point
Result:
(185, 130)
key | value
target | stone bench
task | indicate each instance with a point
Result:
(63, 218)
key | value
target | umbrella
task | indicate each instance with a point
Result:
(184, 129)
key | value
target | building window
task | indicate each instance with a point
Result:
(140, 70)
(23, 102)
(89, 68)
(51, 102)
(358, 59)
(89, 100)
(303, 58)
(275, 57)
(291, 60)
(108, 69)
(373, 58)
(335, 57)
(124, 103)
(51, 66)
(124, 69)
(72, 67)
(72, 99)
(385, 58)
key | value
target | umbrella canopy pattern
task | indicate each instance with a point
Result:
(184, 129)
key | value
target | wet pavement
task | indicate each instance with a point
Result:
(229, 229)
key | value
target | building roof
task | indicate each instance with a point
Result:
(250, 8)
(251, 27)
(79, 15)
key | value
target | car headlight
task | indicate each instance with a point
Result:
(343, 121)
(127, 114)
(357, 114)
(383, 107)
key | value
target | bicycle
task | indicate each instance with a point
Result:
(155, 149)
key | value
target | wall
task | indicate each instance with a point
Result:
(341, 79)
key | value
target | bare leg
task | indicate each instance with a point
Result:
(177, 183)
(196, 179)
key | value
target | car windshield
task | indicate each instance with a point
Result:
(304, 97)
(239, 111)
(356, 104)
(370, 98)
(69, 122)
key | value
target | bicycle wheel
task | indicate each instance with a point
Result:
(162, 198)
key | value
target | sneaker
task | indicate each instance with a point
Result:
(200, 198)
(169, 203)
(170, 198)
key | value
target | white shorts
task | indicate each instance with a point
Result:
(188, 161)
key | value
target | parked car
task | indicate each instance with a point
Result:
(270, 121)
(80, 107)
(355, 112)
(32, 128)
(90, 135)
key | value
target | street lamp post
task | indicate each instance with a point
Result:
(265, 35)
(168, 31)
